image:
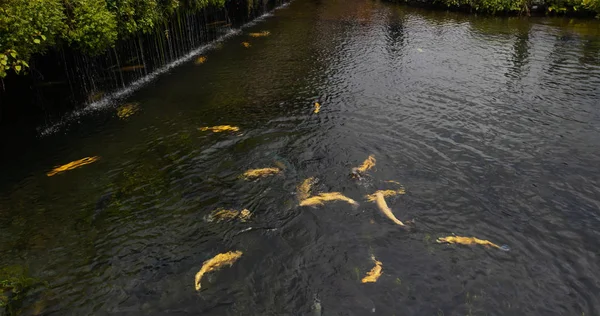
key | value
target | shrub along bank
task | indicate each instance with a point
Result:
(583, 7)
(28, 27)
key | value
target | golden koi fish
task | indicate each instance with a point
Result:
(131, 68)
(386, 193)
(303, 190)
(366, 165)
(469, 241)
(318, 200)
(127, 110)
(246, 44)
(259, 173)
(217, 23)
(223, 214)
(260, 34)
(214, 264)
(220, 128)
(375, 273)
(72, 165)
(383, 207)
(317, 107)
(200, 60)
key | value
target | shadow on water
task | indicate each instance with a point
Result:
(489, 124)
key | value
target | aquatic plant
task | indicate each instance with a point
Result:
(14, 284)
(216, 263)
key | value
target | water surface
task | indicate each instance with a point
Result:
(491, 125)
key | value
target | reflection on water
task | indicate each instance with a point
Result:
(491, 124)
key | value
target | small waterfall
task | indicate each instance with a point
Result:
(68, 81)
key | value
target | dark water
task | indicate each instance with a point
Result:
(491, 124)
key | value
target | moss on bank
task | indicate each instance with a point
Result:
(30, 27)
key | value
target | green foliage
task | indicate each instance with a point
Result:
(489, 6)
(564, 6)
(518, 6)
(91, 27)
(29, 27)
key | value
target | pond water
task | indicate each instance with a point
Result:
(491, 125)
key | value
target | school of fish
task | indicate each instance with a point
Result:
(303, 192)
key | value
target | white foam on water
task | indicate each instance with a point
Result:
(111, 99)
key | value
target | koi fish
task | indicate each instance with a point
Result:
(383, 207)
(394, 182)
(216, 263)
(318, 200)
(303, 189)
(386, 193)
(216, 23)
(200, 60)
(366, 165)
(131, 68)
(259, 173)
(223, 214)
(375, 273)
(72, 165)
(127, 110)
(317, 107)
(246, 44)
(470, 241)
(220, 128)
(260, 34)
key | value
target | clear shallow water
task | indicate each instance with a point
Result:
(491, 124)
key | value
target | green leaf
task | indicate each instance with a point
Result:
(13, 54)
(18, 68)
(43, 37)
(37, 41)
